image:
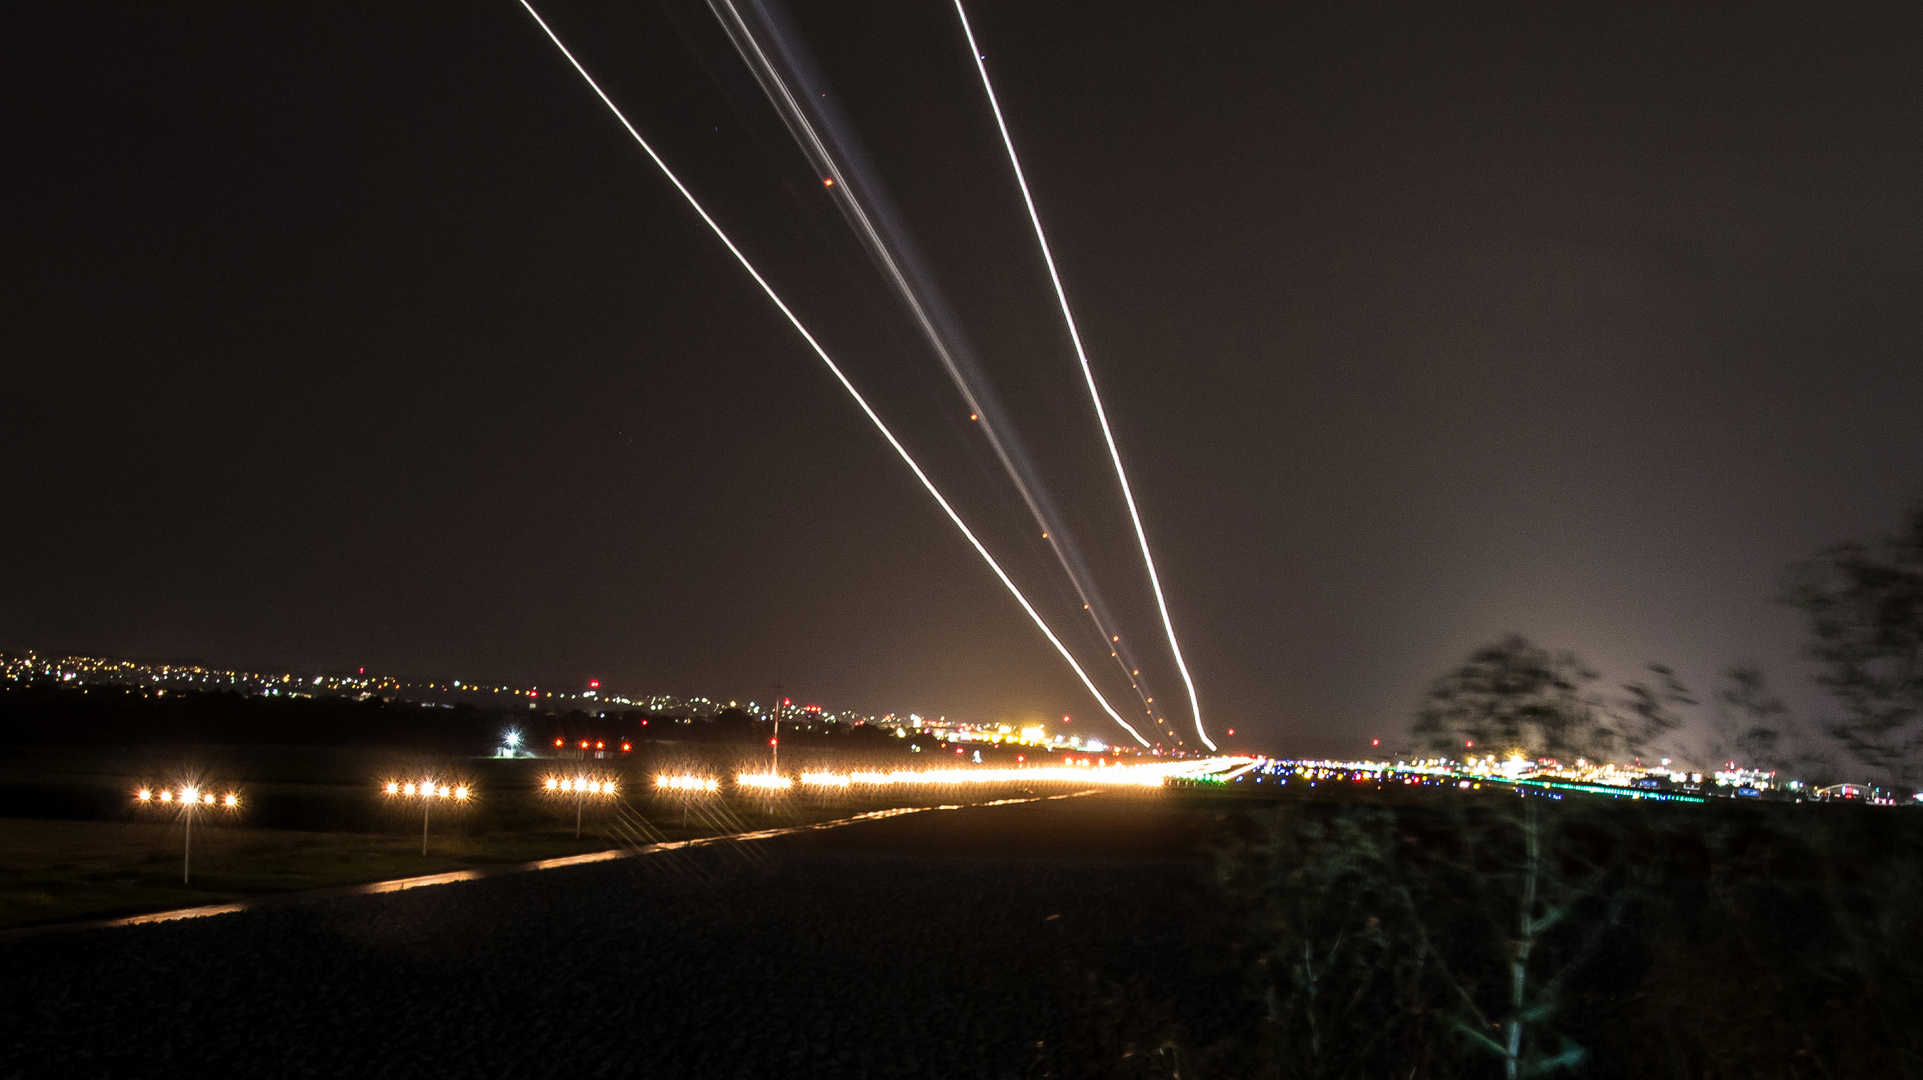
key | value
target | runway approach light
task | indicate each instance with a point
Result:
(427, 790)
(187, 801)
(580, 789)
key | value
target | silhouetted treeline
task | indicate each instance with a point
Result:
(51, 713)
(1492, 936)
(48, 713)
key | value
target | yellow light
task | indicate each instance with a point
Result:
(145, 795)
(208, 799)
(445, 791)
(408, 790)
(393, 788)
(188, 794)
(764, 781)
(687, 783)
(552, 783)
(231, 801)
(460, 792)
(166, 796)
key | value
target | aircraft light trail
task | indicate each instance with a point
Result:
(840, 377)
(889, 250)
(1088, 375)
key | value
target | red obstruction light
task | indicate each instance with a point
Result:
(557, 742)
(599, 745)
(594, 684)
(625, 747)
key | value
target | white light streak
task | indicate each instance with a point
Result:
(835, 369)
(1088, 375)
(812, 145)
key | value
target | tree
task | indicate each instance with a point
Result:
(1512, 696)
(1651, 709)
(1865, 609)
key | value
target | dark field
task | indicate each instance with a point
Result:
(74, 844)
(1197, 932)
(998, 942)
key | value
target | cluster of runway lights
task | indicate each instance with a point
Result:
(189, 799)
(426, 791)
(581, 788)
(1146, 775)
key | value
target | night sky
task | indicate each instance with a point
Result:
(344, 334)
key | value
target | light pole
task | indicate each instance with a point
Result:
(189, 799)
(688, 786)
(426, 791)
(581, 787)
(774, 744)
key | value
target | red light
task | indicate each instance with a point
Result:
(773, 742)
(594, 684)
(534, 693)
(600, 745)
(644, 723)
(584, 744)
(1019, 757)
(827, 181)
(557, 742)
(1470, 743)
(1375, 742)
(787, 701)
(1231, 731)
(363, 671)
(1064, 719)
(625, 747)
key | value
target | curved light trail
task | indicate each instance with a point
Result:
(1088, 375)
(835, 369)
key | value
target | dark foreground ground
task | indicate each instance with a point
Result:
(1004, 941)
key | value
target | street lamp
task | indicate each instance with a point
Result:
(188, 801)
(427, 791)
(581, 788)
